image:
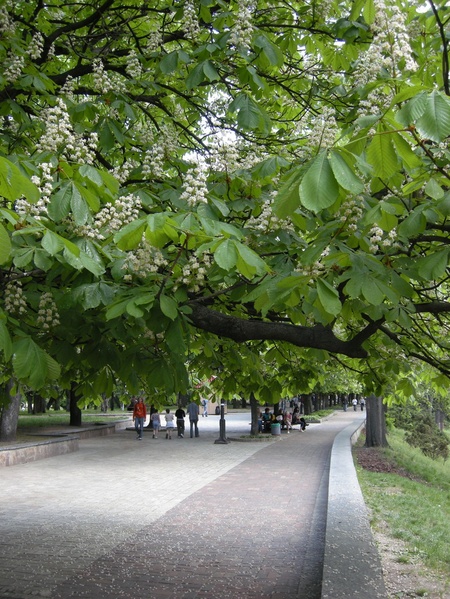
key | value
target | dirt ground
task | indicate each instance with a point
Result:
(405, 575)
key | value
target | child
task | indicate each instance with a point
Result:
(156, 423)
(169, 423)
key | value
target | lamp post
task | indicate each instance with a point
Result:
(222, 433)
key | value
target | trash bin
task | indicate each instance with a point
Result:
(275, 428)
(217, 411)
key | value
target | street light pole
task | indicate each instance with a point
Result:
(222, 440)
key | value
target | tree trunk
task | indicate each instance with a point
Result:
(75, 412)
(254, 408)
(39, 404)
(10, 411)
(375, 422)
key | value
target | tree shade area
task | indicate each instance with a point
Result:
(257, 190)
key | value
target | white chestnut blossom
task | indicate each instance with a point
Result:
(194, 272)
(350, 213)
(243, 29)
(111, 218)
(36, 46)
(7, 25)
(60, 137)
(15, 64)
(155, 40)
(45, 185)
(105, 82)
(134, 66)
(190, 20)
(48, 314)
(378, 241)
(14, 301)
(143, 261)
(194, 188)
(267, 220)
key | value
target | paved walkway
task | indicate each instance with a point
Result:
(171, 519)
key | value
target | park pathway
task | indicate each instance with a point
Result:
(179, 519)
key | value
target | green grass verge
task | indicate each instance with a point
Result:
(27, 421)
(417, 510)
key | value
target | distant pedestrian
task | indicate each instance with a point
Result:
(303, 424)
(192, 411)
(169, 423)
(139, 416)
(355, 403)
(205, 406)
(180, 415)
(361, 403)
(156, 424)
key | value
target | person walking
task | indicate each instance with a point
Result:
(205, 406)
(139, 416)
(169, 423)
(192, 411)
(361, 403)
(355, 403)
(156, 424)
(180, 415)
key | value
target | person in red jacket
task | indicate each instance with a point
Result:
(139, 416)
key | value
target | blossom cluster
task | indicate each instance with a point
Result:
(194, 188)
(48, 314)
(103, 81)
(15, 64)
(155, 40)
(134, 66)
(351, 212)
(190, 20)
(111, 218)
(378, 241)
(243, 29)
(45, 185)
(194, 271)
(159, 150)
(267, 220)
(6, 23)
(36, 46)
(143, 261)
(14, 299)
(59, 136)
(390, 51)
(313, 271)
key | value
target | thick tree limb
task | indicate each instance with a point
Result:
(240, 330)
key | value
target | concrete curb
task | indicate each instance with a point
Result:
(352, 567)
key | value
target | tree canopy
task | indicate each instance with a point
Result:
(176, 175)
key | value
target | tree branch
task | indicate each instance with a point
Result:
(241, 330)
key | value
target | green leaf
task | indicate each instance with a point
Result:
(13, 184)
(250, 115)
(210, 71)
(344, 174)
(169, 307)
(169, 63)
(78, 206)
(272, 52)
(372, 292)
(287, 199)
(319, 188)
(434, 265)
(435, 121)
(434, 190)
(251, 258)
(329, 297)
(59, 206)
(196, 77)
(5, 341)
(130, 236)
(226, 255)
(33, 365)
(5, 245)
(381, 155)
(52, 243)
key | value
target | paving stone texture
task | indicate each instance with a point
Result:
(171, 519)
